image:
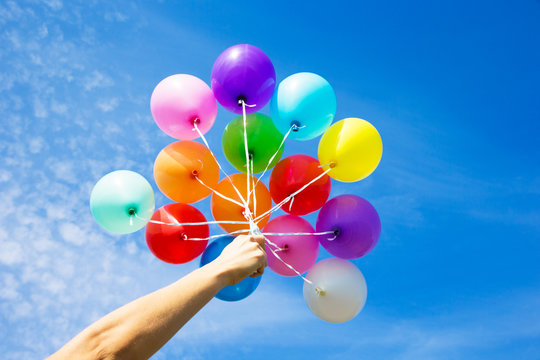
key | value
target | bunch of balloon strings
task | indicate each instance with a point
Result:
(302, 107)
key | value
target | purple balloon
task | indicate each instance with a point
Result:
(355, 223)
(243, 72)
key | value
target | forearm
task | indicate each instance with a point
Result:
(137, 330)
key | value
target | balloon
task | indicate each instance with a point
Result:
(176, 103)
(356, 225)
(353, 147)
(232, 292)
(305, 100)
(171, 243)
(177, 166)
(223, 209)
(117, 197)
(263, 141)
(300, 251)
(243, 72)
(290, 175)
(338, 291)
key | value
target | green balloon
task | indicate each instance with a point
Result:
(118, 197)
(263, 140)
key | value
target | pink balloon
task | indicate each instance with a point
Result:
(299, 251)
(176, 103)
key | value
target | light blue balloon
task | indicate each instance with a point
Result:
(232, 292)
(118, 197)
(305, 100)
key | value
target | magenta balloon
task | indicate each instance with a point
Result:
(243, 72)
(356, 225)
(300, 251)
(178, 101)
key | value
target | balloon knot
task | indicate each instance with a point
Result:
(241, 99)
(320, 292)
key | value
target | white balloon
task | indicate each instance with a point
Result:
(338, 292)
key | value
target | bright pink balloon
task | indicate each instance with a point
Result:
(300, 251)
(176, 103)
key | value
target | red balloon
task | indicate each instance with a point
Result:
(290, 175)
(171, 243)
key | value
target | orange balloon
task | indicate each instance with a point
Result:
(177, 166)
(223, 209)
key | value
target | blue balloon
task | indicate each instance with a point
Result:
(232, 292)
(305, 100)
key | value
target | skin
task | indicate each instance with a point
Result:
(138, 329)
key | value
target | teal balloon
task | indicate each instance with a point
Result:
(232, 292)
(306, 100)
(117, 197)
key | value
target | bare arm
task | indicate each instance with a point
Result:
(139, 329)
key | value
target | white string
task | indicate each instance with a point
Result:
(253, 191)
(218, 235)
(299, 233)
(275, 154)
(217, 192)
(192, 223)
(196, 128)
(246, 209)
(290, 204)
(283, 261)
(275, 208)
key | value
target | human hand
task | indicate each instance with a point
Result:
(243, 257)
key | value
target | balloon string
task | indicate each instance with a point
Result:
(217, 192)
(290, 204)
(192, 223)
(283, 261)
(253, 191)
(246, 209)
(284, 201)
(299, 233)
(196, 128)
(294, 126)
(218, 235)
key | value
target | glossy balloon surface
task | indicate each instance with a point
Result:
(306, 100)
(171, 243)
(299, 251)
(117, 197)
(177, 165)
(290, 175)
(263, 142)
(243, 72)
(354, 146)
(180, 99)
(343, 286)
(356, 224)
(223, 209)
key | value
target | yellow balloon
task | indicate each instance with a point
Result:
(352, 148)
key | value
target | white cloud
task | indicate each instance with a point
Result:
(11, 253)
(107, 105)
(39, 109)
(36, 145)
(116, 16)
(72, 234)
(97, 80)
(54, 4)
(58, 108)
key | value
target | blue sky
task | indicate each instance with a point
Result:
(453, 88)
